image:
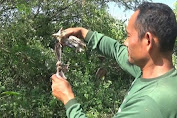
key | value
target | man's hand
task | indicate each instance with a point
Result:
(61, 89)
(79, 32)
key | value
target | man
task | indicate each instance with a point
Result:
(146, 55)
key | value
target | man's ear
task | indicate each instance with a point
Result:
(149, 40)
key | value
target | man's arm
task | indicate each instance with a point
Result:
(79, 32)
(62, 90)
(105, 45)
(140, 107)
(111, 48)
(74, 110)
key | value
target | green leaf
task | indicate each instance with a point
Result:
(10, 93)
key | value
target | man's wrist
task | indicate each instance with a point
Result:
(83, 32)
(88, 35)
(68, 99)
(70, 103)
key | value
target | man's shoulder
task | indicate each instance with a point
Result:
(156, 96)
(142, 106)
(165, 96)
(165, 91)
(165, 87)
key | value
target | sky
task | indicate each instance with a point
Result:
(119, 13)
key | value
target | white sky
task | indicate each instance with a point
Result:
(119, 13)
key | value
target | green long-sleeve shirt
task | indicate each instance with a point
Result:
(146, 98)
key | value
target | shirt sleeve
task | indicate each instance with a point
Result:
(111, 48)
(143, 107)
(74, 110)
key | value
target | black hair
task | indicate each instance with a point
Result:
(158, 19)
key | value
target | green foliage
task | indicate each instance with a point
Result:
(175, 48)
(175, 8)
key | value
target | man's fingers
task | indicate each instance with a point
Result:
(55, 78)
(67, 32)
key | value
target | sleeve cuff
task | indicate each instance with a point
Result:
(70, 103)
(88, 36)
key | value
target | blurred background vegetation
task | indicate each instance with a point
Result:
(28, 60)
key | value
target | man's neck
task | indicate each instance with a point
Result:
(157, 67)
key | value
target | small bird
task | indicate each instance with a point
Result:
(72, 42)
